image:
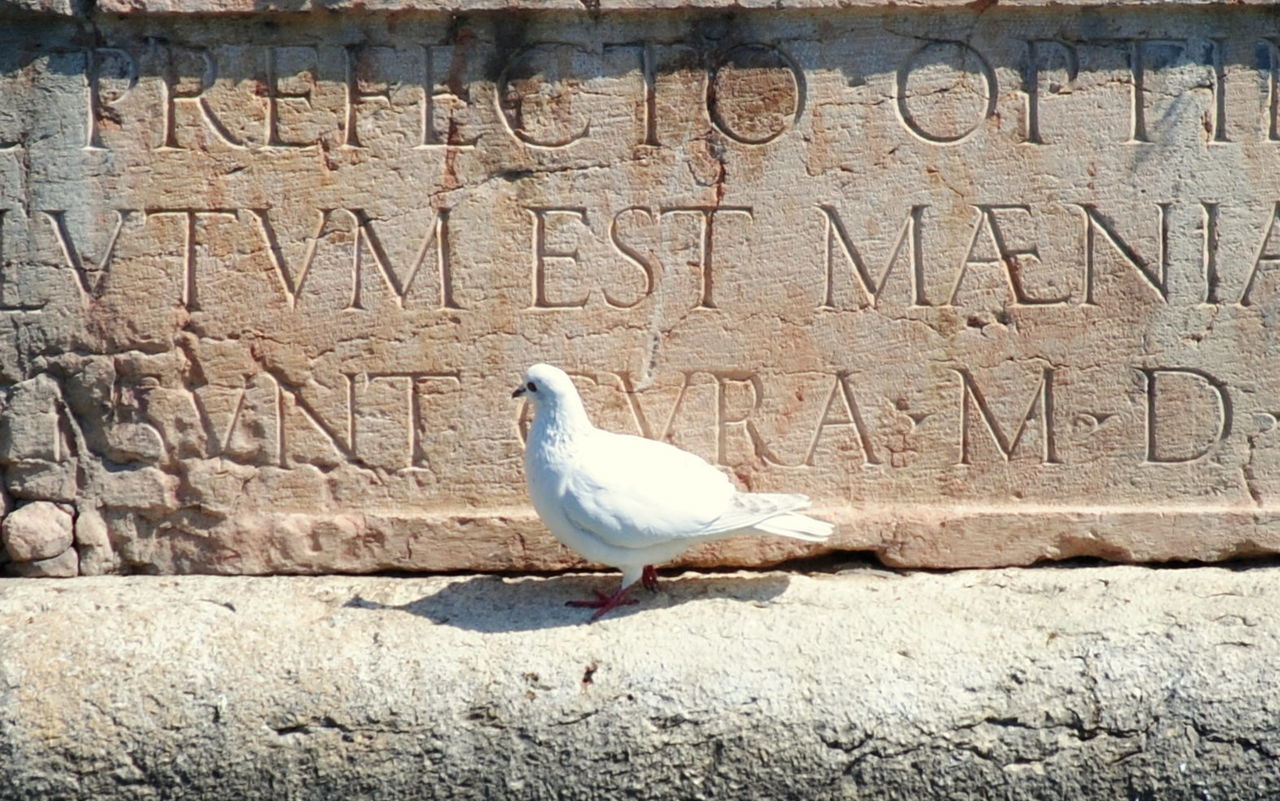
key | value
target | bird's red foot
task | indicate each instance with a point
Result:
(603, 603)
(650, 578)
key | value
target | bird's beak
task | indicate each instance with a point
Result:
(518, 392)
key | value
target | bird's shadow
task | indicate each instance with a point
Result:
(493, 604)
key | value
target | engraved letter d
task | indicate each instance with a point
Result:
(1185, 420)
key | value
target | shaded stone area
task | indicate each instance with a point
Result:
(1065, 682)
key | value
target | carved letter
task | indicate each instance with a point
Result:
(291, 286)
(413, 404)
(1094, 221)
(190, 287)
(346, 446)
(1042, 398)
(1273, 90)
(650, 102)
(1224, 412)
(254, 402)
(646, 264)
(99, 105)
(276, 93)
(511, 101)
(1209, 257)
(1218, 49)
(356, 95)
(1138, 69)
(173, 92)
(437, 233)
(909, 237)
(706, 221)
(456, 92)
(723, 420)
(967, 53)
(541, 254)
(1268, 256)
(90, 286)
(1006, 256)
(637, 410)
(1032, 81)
(757, 64)
(842, 393)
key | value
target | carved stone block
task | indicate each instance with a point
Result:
(991, 285)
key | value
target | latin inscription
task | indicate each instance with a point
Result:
(944, 91)
(979, 262)
(928, 262)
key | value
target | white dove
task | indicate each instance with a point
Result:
(631, 502)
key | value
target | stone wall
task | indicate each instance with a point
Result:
(992, 284)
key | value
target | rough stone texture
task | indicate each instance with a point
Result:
(1064, 683)
(6, 506)
(38, 530)
(593, 7)
(65, 565)
(992, 285)
(57, 7)
(93, 544)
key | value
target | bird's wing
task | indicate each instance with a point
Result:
(633, 492)
(747, 510)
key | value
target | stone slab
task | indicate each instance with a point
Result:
(991, 286)
(1066, 683)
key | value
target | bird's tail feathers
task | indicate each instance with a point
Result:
(773, 513)
(797, 527)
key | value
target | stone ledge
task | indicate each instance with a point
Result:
(1064, 682)
(512, 539)
(131, 7)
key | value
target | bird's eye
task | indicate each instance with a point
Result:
(531, 387)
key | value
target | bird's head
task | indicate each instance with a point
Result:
(545, 386)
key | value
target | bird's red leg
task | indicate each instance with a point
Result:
(650, 578)
(603, 603)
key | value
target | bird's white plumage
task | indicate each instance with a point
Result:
(634, 492)
(629, 502)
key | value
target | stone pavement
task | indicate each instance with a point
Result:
(1071, 682)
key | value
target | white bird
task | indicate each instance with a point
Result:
(630, 502)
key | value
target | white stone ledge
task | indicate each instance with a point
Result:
(1089, 683)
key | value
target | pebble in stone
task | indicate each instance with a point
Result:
(36, 531)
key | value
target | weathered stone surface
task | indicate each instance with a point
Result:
(93, 544)
(37, 479)
(29, 426)
(38, 530)
(63, 7)
(593, 6)
(1064, 683)
(64, 565)
(6, 506)
(992, 285)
